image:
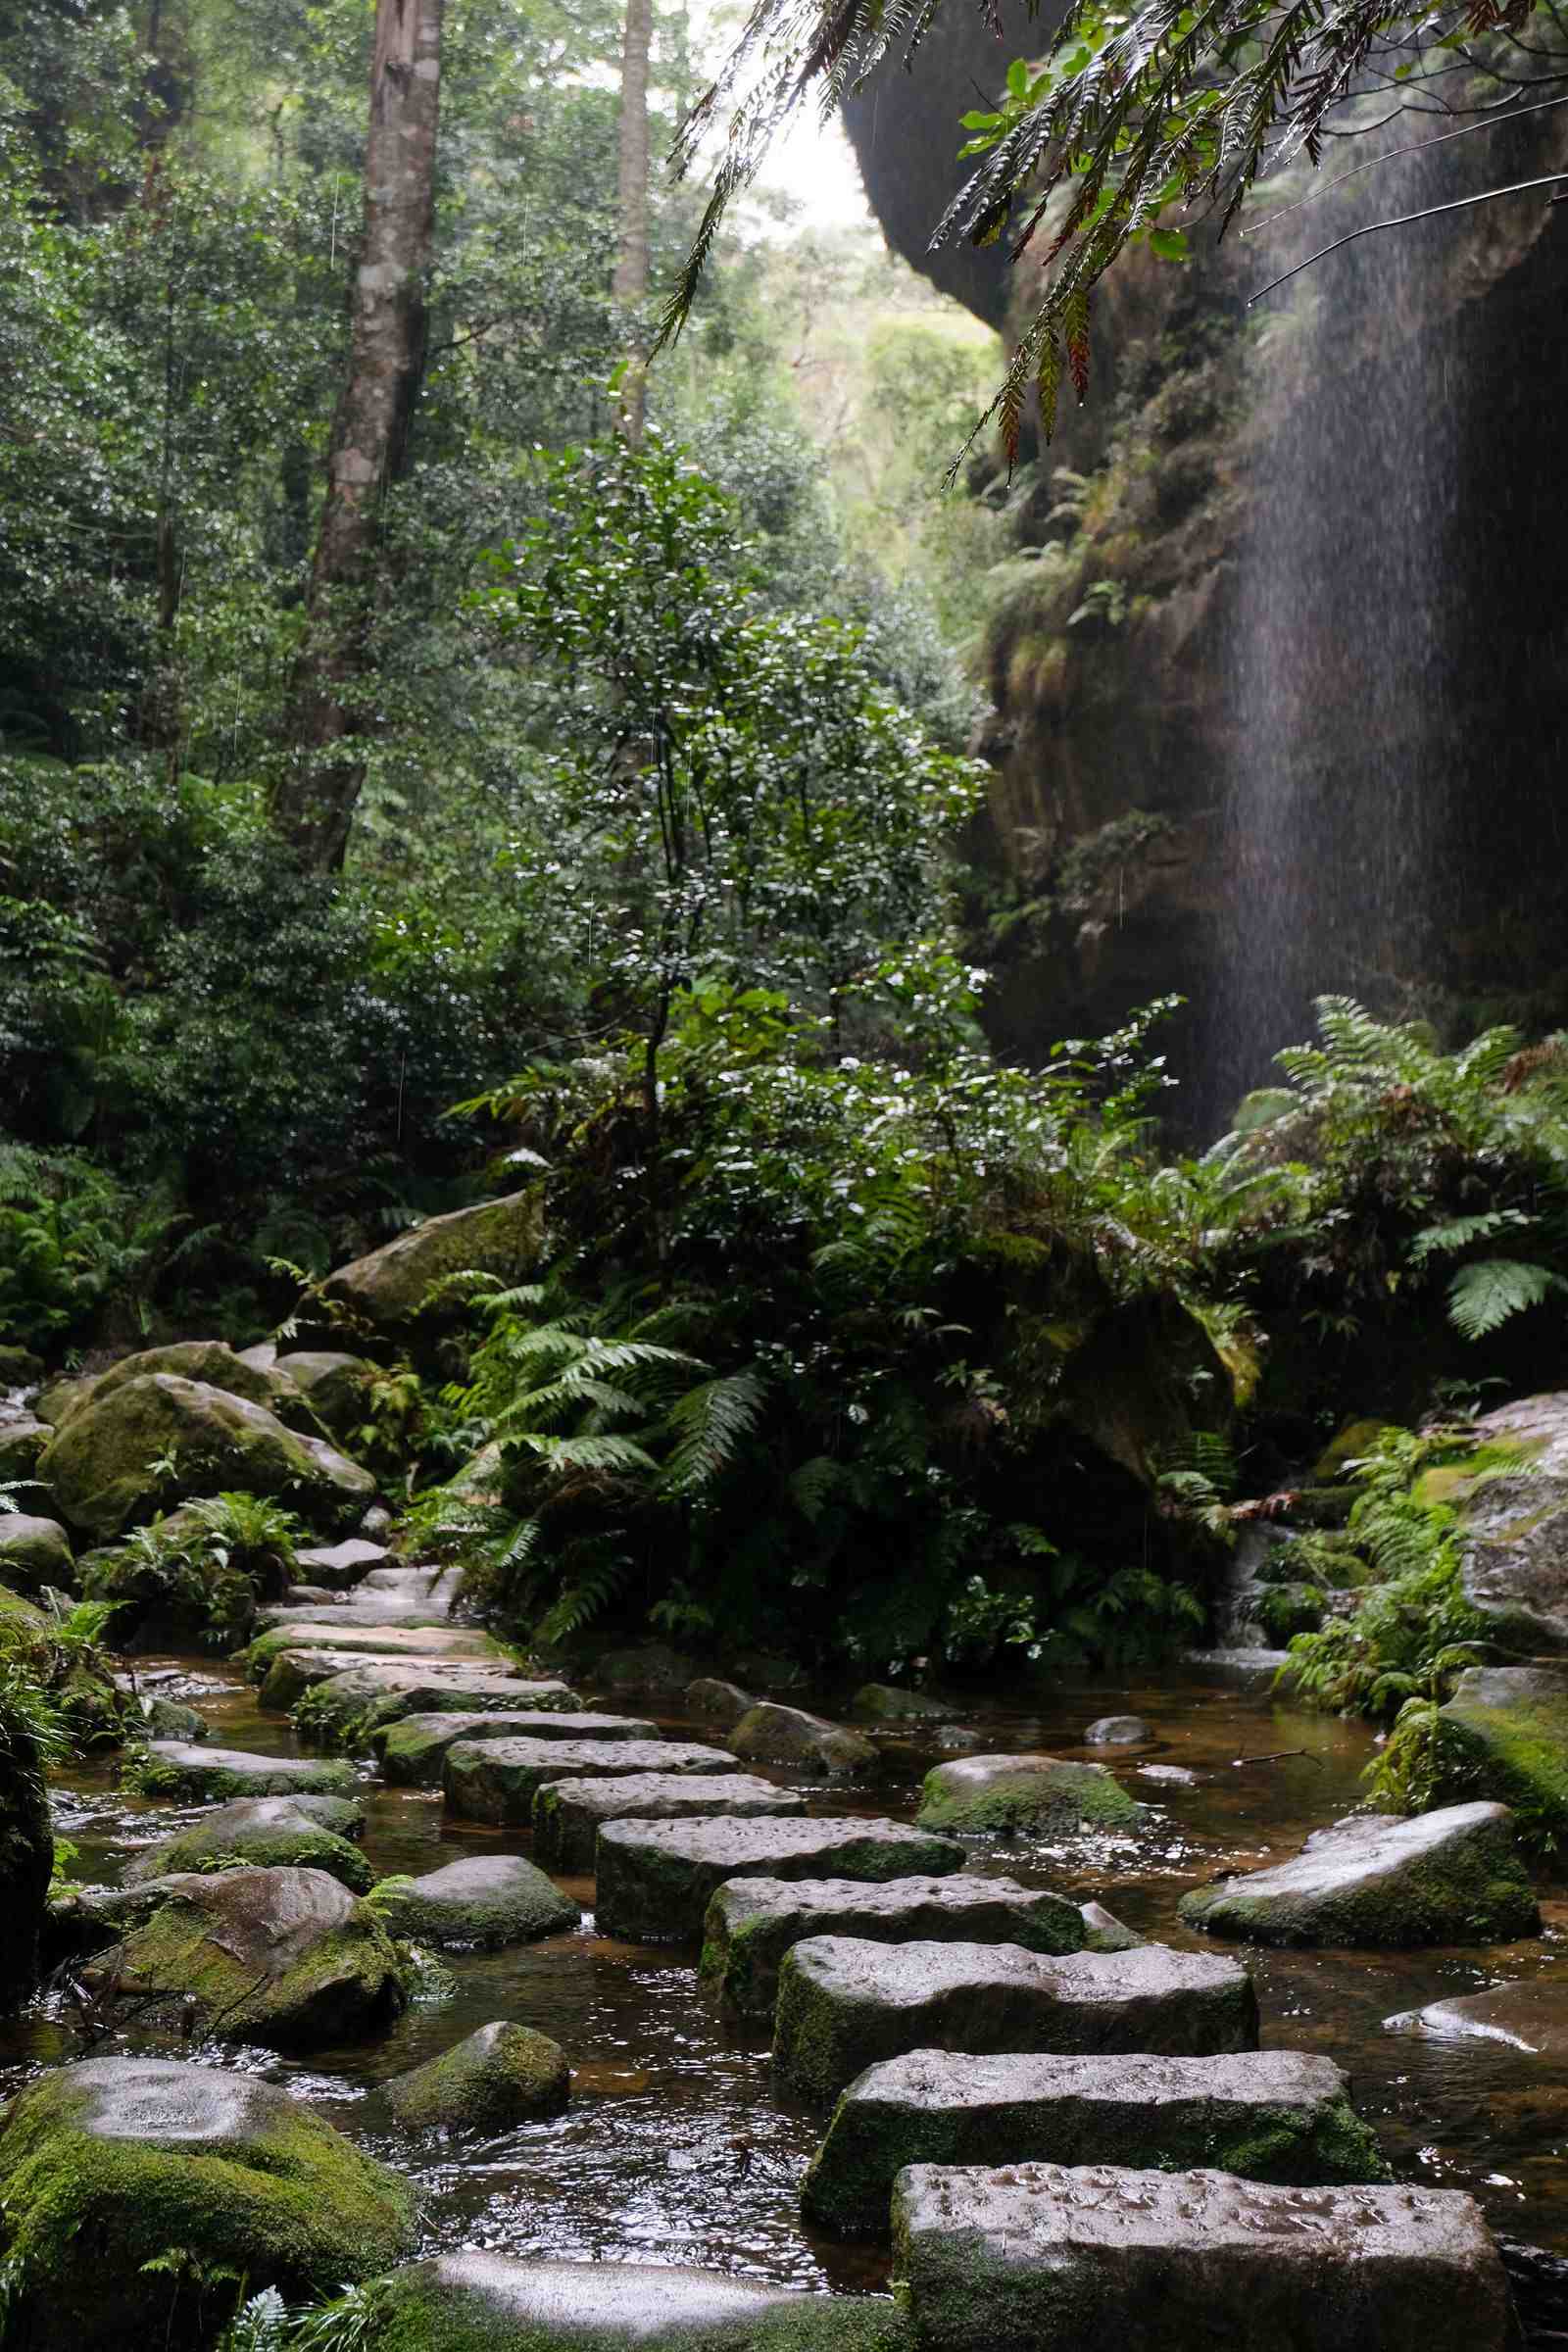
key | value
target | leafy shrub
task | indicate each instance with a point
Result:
(210, 1562)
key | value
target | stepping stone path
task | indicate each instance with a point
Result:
(209, 1775)
(1451, 1876)
(339, 1632)
(568, 1815)
(1270, 2115)
(752, 1923)
(845, 2004)
(409, 1686)
(1052, 2258)
(1039, 1797)
(307, 1832)
(412, 1752)
(497, 1779)
(656, 1878)
(362, 1698)
(487, 1901)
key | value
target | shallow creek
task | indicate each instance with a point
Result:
(674, 2147)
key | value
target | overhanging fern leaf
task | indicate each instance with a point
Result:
(1460, 1233)
(1483, 1296)
(711, 1423)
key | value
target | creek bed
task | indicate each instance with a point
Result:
(676, 2147)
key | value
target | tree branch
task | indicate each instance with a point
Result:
(1369, 229)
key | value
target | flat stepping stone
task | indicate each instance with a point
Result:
(341, 1564)
(1270, 2115)
(656, 1878)
(497, 1779)
(486, 1900)
(568, 1815)
(337, 1631)
(845, 2004)
(1531, 2019)
(482, 2302)
(1040, 1796)
(312, 1832)
(420, 1685)
(211, 1775)
(412, 1752)
(1017, 2257)
(501, 2076)
(752, 1923)
(376, 1612)
(1451, 1876)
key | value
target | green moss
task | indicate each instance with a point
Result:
(346, 1982)
(418, 2311)
(1516, 1755)
(503, 2075)
(1010, 1804)
(271, 1849)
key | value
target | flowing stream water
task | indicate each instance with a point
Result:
(676, 2148)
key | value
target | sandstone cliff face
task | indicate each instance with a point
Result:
(1280, 669)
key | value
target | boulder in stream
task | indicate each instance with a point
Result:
(1452, 1876)
(568, 1815)
(720, 1703)
(204, 1774)
(107, 2165)
(412, 1752)
(656, 1878)
(347, 1709)
(1031, 1796)
(34, 1552)
(267, 1832)
(1515, 1520)
(1104, 1931)
(889, 1702)
(1056, 2257)
(1117, 1730)
(22, 1440)
(501, 2076)
(1530, 2018)
(752, 1923)
(151, 1716)
(490, 2303)
(1267, 2115)
(342, 1565)
(288, 1958)
(845, 2004)
(775, 1735)
(485, 1901)
(100, 1461)
(210, 1361)
(1505, 1736)
(497, 1779)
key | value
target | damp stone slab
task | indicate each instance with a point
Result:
(206, 1775)
(412, 1752)
(752, 1923)
(1059, 2257)
(1267, 2115)
(1530, 2017)
(656, 1878)
(1449, 1877)
(440, 1681)
(568, 1815)
(845, 2004)
(494, 2303)
(497, 1779)
(337, 1631)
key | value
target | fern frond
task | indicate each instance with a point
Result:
(1483, 1296)
(559, 1456)
(1458, 1233)
(710, 1422)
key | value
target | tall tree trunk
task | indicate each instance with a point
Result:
(631, 282)
(313, 802)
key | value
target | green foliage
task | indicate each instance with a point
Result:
(211, 1562)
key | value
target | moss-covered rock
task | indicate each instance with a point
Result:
(34, 1552)
(1022, 1796)
(486, 1900)
(154, 1717)
(501, 2076)
(1503, 1734)
(390, 1287)
(412, 1752)
(1512, 1496)
(285, 1957)
(1451, 1876)
(203, 1774)
(22, 1441)
(486, 2303)
(210, 1361)
(420, 1643)
(337, 1386)
(775, 1735)
(158, 1439)
(1266, 2114)
(497, 1779)
(650, 1666)
(656, 1878)
(886, 1702)
(568, 1815)
(117, 2165)
(712, 1700)
(267, 1833)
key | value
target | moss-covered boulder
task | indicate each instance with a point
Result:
(285, 1957)
(159, 1438)
(1031, 1795)
(568, 1815)
(486, 1900)
(26, 1862)
(650, 1666)
(34, 1552)
(709, 1699)
(488, 2303)
(392, 1284)
(775, 1735)
(267, 1832)
(109, 2167)
(422, 1685)
(1267, 2115)
(501, 2076)
(206, 1775)
(1451, 1876)
(1503, 1734)
(886, 1702)
(150, 1715)
(1512, 1496)
(337, 1386)
(210, 1361)
(22, 1441)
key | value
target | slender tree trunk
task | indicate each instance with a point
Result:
(631, 282)
(313, 802)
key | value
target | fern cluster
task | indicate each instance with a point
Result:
(212, 1562)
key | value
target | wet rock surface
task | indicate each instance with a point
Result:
(105, 2165)
(33, 1552)
(721, 1703)
(752, 1923)
(845, 2004)
(656, 1878)
(1506, 1737)
(1022, 1796)
(487, 1899)
(1450, 1877)
(775, 1735)
(1117, 1730)
(1049, 2257)
(497, 1779)
(313, 1833)
(497, 2076)
(214, 1775)
(1515, 1558)
(411, 1750)
(1267, 2115)
(568, 1815)
(1530, 2017)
